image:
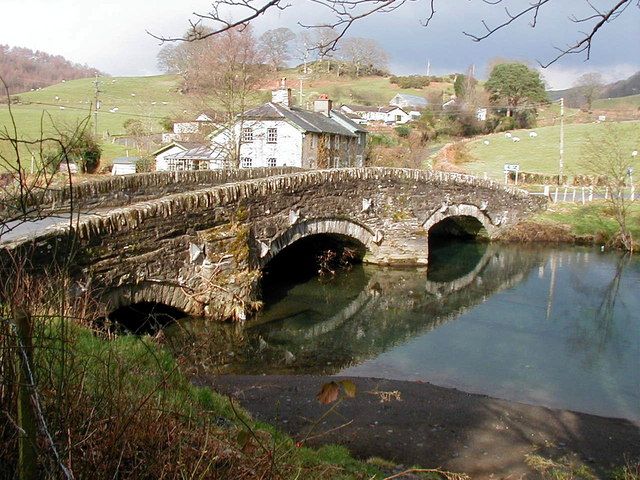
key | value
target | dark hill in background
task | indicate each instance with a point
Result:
(622, 88)
(23, 69)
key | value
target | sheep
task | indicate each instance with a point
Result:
(507, 135)
(533, 134)
(634, 153)
(486, 142)
(515, 139)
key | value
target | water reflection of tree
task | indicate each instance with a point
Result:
(593, 337)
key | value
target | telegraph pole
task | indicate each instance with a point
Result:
(96, 84)
(561, 140)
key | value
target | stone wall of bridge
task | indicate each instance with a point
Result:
(202, 251)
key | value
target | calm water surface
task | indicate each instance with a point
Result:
(553, 327)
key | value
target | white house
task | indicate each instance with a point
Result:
(279, 134)
(404, 100)
(202, 125)
(387, 114)
(171, 149)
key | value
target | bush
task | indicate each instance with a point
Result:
(380, 140)
(411, 81)
(403, 131)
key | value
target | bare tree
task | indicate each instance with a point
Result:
(365, 54)
(303, 48)
(275, 46)
(606, 158)
(347, 12)
(235, 73)
(590, 85)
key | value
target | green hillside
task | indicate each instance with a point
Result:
(630, 102)
(150, 99)
(64, 105)
(541, 154)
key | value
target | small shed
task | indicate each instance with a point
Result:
(124, 165)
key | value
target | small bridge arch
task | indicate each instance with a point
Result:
(468, 218)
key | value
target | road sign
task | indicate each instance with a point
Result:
(511, 167)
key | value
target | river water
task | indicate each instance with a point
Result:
(558, 327)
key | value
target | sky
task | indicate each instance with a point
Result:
(111, 35)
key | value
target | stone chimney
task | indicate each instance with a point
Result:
(323, 105)
(282, 95)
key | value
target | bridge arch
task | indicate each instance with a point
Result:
(317, 226)
(469, 219)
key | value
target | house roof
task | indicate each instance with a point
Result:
(364, 108)
(413, 100)
(182, 145)
(308, 121)
(124, 160)
(201, 152)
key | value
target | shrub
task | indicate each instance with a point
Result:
(411, 81)
(403, 131)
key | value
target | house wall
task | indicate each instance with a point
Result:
(161, 159)
(287, 150)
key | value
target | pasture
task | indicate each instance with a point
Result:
(541, 154)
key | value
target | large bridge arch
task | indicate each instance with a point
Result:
(317, 226)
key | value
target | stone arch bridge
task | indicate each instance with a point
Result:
(202, 251)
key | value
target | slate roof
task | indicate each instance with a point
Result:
(183, 145)
(201, 152)
(337, 123)
(125, 160)
(413, 100)
(364, 108)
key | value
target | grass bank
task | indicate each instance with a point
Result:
(122, 408)
(590, 224)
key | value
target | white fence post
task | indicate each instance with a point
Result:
(573, 198)
(555, 200)
(591, 193)
(583, 195)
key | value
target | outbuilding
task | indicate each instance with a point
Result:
(124, 165)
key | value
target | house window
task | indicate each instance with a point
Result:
(359, 161)
(272, 135)
(336, 142)
(336, 162)
(247, 134)
(246, 162)
(271, 162)
(398, 118)
(314, 141)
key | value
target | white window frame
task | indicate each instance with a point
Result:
(336, 141)
(246, 162)
(272, 162)
(272, 135)
(247, 134)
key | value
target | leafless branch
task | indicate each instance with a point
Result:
(347, 12)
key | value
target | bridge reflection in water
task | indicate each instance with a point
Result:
(325, 325)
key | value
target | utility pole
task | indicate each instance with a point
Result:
(561, 140)
(96, 84)
(428, 68)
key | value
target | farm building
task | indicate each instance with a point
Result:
(124, 165)
(404, 100)
(387, 114)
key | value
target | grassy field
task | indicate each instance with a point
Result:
(630, 102)
(541, 154)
